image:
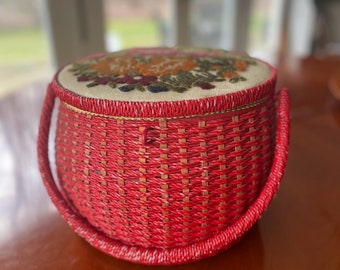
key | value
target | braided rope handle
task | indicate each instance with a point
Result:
(177, 255)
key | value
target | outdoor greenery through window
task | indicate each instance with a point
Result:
(23, 46)
(142, 23)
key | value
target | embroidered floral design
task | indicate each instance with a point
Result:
(121, 65)
(178, 71)
(160, 65)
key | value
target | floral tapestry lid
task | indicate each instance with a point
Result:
(163, 74)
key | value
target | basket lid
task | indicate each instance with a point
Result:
(161, 76)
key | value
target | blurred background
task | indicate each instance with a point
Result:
(37, 36)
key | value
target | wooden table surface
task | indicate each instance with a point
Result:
(300, 229)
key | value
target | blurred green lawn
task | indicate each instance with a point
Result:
(21, 46)
(30, 45)
(135, 33)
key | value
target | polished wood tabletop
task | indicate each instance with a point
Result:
(299, 230)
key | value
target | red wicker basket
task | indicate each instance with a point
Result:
(164, 155)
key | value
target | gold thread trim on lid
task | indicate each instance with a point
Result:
(247, 106)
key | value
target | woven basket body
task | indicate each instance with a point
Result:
(196, 178)
(163, 174)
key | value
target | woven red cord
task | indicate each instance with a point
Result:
(176, 255)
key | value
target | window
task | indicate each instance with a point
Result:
(138, 23)
(23, 47)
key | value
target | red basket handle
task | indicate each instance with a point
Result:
(177, 255)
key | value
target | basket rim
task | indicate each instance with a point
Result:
(162, 109)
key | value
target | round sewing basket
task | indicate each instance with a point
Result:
(164, 155)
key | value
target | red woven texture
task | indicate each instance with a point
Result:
(191, 179)
(164, 191)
